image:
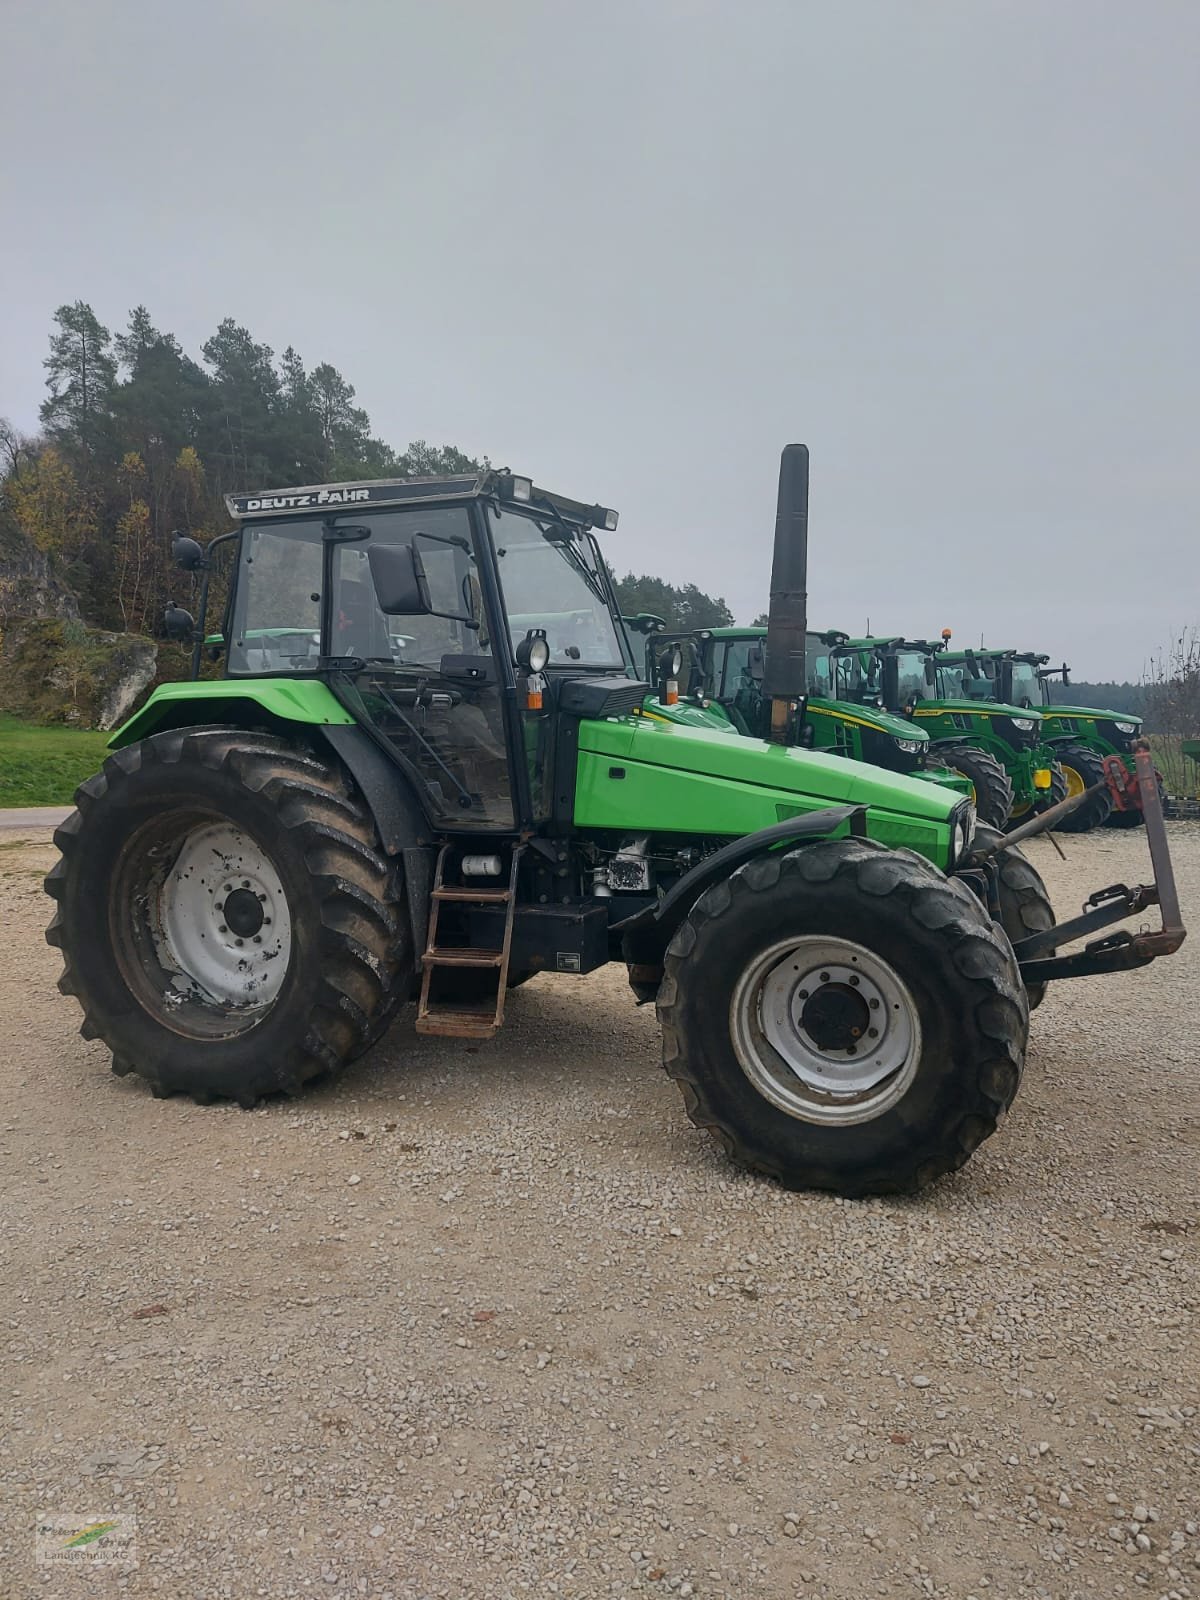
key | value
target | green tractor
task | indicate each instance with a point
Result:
(425, 776)
(1082, 738)
(713, 678)
(997, 747)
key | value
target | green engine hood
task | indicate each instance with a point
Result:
(713, 777)
(1091, 714)
(974, 708)
(866, 717)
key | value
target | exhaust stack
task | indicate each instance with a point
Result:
(785, 681)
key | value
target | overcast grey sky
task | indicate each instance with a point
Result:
(633, 249)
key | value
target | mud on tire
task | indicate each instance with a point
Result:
(957, 970)
(134, 888)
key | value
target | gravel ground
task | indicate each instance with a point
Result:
(497, 1321)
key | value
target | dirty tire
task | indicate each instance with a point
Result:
(1082, 768)
(1025, 906)
(122, 878)
(931, 932)
(993, 786)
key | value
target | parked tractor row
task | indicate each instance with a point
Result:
(433, 768)
(986, 718)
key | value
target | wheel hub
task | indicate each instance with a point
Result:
(221, 927)
(243, 913)
(825, 1029)
(835, 1017)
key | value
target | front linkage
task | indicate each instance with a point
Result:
(1118, 952)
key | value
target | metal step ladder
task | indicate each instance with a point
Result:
(461, 1021)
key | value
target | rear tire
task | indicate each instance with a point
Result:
(776, 1081)
(993, 786)
(1025, 905)
(1082, 768)
(179, 968)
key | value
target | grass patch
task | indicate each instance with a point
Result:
(44, 766)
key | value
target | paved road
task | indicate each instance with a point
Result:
(33, 817)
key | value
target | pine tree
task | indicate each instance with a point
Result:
(80, 374)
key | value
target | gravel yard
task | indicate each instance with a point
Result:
(493, 1321)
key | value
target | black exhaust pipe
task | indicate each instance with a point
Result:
(785, 681)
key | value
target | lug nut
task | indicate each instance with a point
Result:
(874, 1005)
(872, 1033)
(222, 929)
(824, 977)
(853, 981)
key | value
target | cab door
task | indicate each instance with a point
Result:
(432, 685)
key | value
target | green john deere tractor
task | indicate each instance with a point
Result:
(997, 747)
(713, 678)
(1081, 737)
(425, 776)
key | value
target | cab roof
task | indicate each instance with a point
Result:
(324, 498)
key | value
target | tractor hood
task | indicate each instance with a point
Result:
(974, 708)
(866, 717)
(1091, 714)
(698, 755)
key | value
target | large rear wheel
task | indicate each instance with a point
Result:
(992, 786)
(843, 1017)
(1082, 768)
(227, 919)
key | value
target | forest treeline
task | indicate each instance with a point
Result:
(138, 438)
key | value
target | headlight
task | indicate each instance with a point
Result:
(1026, 724)
(909, 746)
(1126, 727)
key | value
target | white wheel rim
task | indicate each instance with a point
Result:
(220, 926)
(826, 1030)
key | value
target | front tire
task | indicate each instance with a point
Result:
(777, 966)
(226, 917)
(993, 787)
(1082, 768)
(1025, 905)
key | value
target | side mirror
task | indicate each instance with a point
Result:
(398, 574)
(186, 553)
(930, 672)
(180, 625)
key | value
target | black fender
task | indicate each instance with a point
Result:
(403, 827)
(646, 935)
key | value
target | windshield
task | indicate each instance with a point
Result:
(556, 583)
(1026, 687)
(957, 680)
(847, 675)
(911, 684)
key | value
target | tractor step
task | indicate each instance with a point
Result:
(459, 1024)
(452, 1021)
(443, 957)
(482, 897)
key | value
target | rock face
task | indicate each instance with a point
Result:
(28, 584)
(56, 670)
